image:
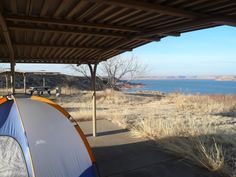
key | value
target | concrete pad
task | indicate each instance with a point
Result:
(120, 155)
(108, 134)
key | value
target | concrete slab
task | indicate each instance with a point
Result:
(119, 155)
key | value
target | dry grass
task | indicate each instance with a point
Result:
(199, 128)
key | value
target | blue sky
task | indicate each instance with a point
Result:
(204, 52)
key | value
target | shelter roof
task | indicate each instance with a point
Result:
(19, 72)
(90, 31)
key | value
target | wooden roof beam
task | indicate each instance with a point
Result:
(174, 34)
(158, 31)
(77, 8)
(38, 20)
(215, 19)
(65, 31)
(79, 24)
(169, 11)
(204, 21)
(231, 21)
(66, 47)
(22, 59)
(61, 22)
(151, 7)
(7, 38)
(76, 32)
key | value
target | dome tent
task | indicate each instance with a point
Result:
(38, 138)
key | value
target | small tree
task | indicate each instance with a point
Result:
(85, 72)
(120, 67)
(82, 69)
(114, 69)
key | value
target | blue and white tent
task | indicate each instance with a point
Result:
(37, 139)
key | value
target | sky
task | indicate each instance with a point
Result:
(204, 52)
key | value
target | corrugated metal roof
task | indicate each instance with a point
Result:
(89, 31)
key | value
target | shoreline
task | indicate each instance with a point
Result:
(183, 86)
(181, 79)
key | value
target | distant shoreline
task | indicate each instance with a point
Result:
(214, 78)
(202, 86)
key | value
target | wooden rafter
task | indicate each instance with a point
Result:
(153, 32)
(23, 59)
(77, 32)
(76, 8)
(45, 7)
(222, 20)
(180, 27)
(38, 20)
(65, 47)
(198, 22)
(7, 37)
(152, 8)
(13, 4)
(65, 31)
(71, 23)
(225, 21)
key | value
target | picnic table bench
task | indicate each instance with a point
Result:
(40, 90)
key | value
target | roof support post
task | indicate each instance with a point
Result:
(44, 81)
(93, 70)
(13, 77)
(8, 41)
(24, 80)
(6, 76)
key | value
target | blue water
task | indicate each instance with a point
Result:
(188, 86)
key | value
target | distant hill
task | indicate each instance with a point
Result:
(59, 80)
(205, 77)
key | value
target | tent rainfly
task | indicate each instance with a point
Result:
(39, 138)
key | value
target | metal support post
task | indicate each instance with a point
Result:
(13, 76)
(24, 79)
(93, 77)
(44, 81)
(6, 76)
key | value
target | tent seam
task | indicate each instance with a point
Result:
(22, 124)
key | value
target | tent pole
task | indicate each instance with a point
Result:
(24, 75)
(93, 77)
(13, 77)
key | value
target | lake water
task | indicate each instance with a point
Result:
(188, 86)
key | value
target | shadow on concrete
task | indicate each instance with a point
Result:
(120, 155)
(144, 159)
(108, 132)
(147, 95)
(77, 108)
(22, 95)
(230, 113)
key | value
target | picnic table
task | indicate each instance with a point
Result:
(40, 90)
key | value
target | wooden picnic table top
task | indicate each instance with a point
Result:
(40, 88)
